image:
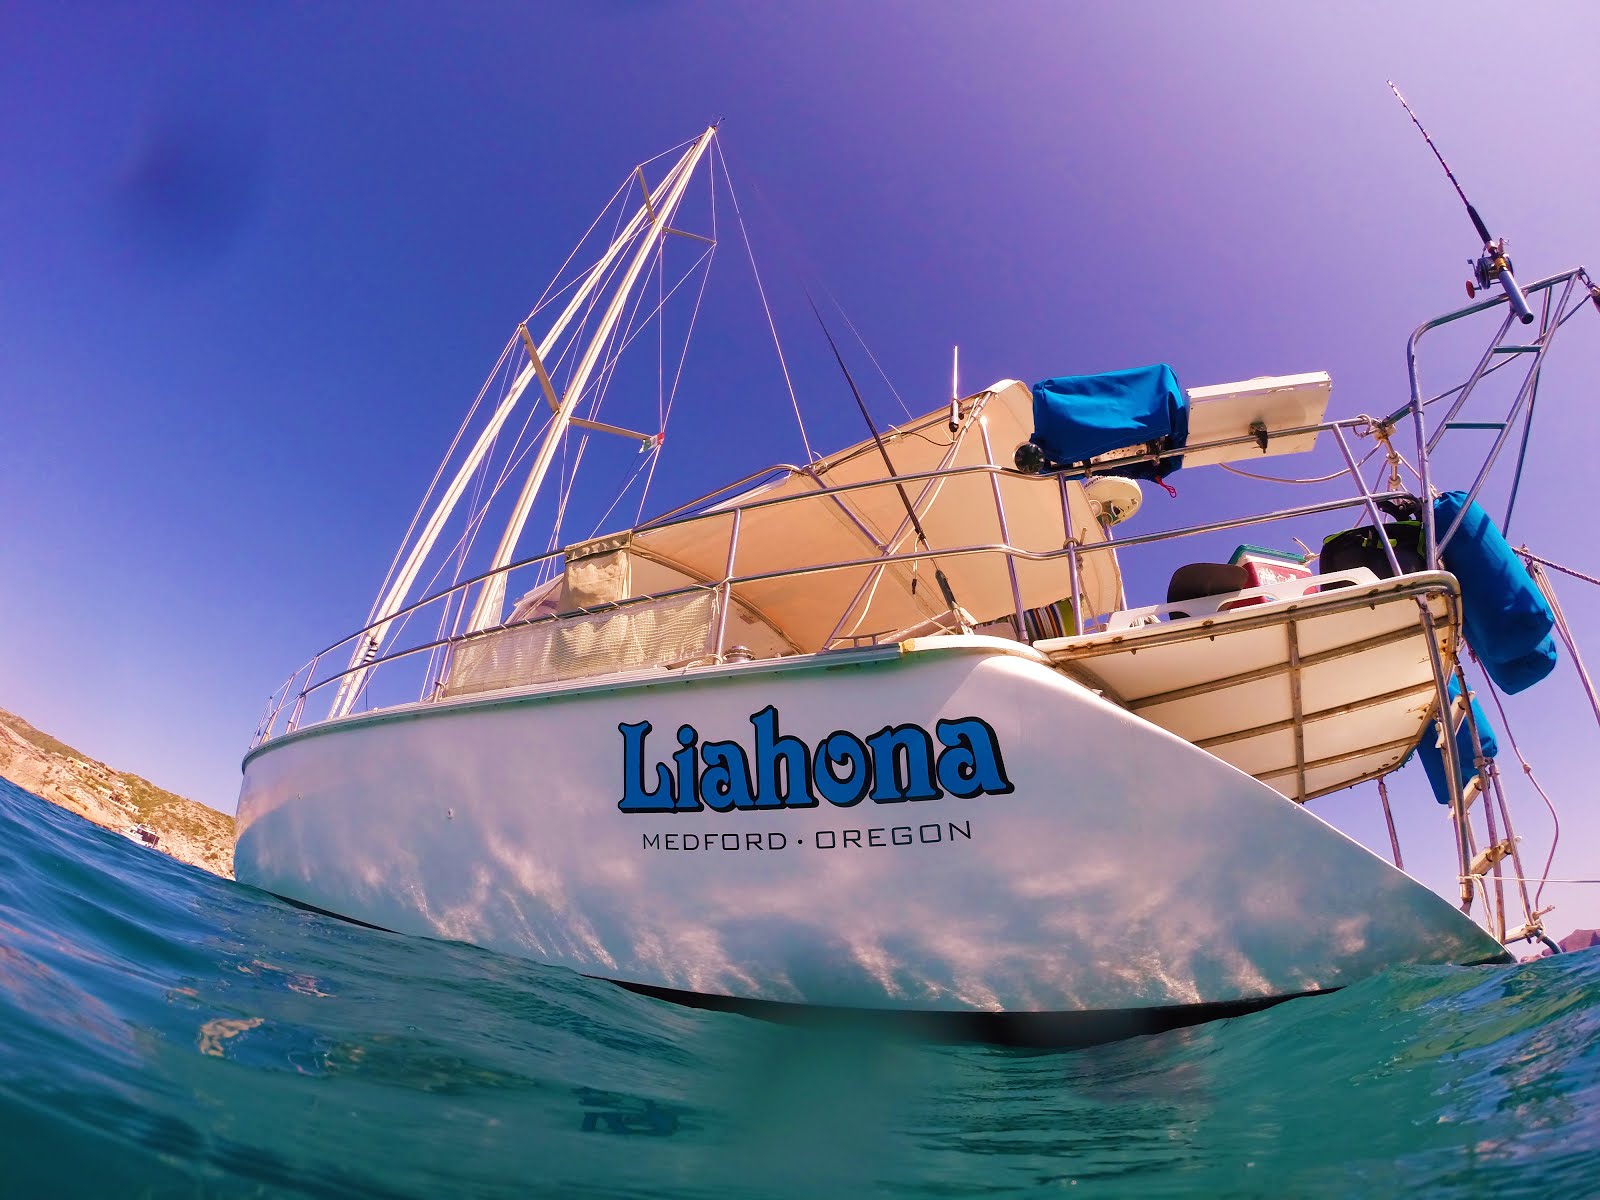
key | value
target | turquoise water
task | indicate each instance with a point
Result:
(167, 1033)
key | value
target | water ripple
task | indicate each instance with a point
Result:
(168, 1033)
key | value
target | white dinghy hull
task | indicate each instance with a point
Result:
(1067, 860)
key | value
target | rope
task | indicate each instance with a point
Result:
(1555, 566)
(1542, 880)
(1279, 479)
(1375, 430)
(1547, 589)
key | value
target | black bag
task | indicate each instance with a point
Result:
(1363, 547)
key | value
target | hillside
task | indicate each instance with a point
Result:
(118, 800)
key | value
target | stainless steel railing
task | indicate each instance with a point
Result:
(382, 687)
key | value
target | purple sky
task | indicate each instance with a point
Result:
(258, 261)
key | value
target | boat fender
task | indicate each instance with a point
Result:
(1505, 617)
(1432, 754)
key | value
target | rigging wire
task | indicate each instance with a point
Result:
(633, 333)
(1527, 769)
(883, 451)
(616, 345)
(683, 355)
(438, 474)
(733, 196)
(500, 368)
(805, 271)
(508, 355)
(862, 342)
(545, 297)
(645, 460)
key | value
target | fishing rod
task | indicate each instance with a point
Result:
(945, 589)
(1492, 266)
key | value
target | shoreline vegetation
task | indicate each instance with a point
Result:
(117, 800)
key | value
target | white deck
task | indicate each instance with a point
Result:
(1309, 694)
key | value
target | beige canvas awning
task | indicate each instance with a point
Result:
(812, 561)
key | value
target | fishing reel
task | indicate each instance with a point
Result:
(1486, 271)
(1494, 268)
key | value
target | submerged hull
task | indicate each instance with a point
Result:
(1073, 863)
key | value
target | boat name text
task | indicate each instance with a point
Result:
(898, 763)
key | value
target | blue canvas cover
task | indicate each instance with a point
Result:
(1433, 758)
(1515, 674)
(1503, 614)
(1077, 417)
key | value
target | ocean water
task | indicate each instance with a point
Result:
(167, 1033)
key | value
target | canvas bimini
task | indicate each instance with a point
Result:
(881, 732)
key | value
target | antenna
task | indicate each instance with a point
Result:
(1493, 266)
(955, 389)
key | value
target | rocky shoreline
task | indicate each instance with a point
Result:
(118, 800)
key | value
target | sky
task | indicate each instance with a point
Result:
(258, 261)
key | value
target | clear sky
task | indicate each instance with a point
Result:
(257, 261)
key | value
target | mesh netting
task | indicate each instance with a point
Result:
(649, 634)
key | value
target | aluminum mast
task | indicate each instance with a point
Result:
(655, 210)
(491, 598)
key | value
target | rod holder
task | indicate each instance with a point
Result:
(1519, 302)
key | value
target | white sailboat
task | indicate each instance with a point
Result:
(878, 732)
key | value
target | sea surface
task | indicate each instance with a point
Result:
(167, 1033)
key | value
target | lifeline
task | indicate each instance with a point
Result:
(897, 763)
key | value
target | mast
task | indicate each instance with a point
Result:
(350, 685)
(658, 213)
(655, 208)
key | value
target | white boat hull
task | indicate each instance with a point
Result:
(1124, 871)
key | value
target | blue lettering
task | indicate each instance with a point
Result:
(726, 781)
(902, 764)
(970, 765)
(898, 763)
(847, 751)
(635, 798)
(687, 761)
(783, 767)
